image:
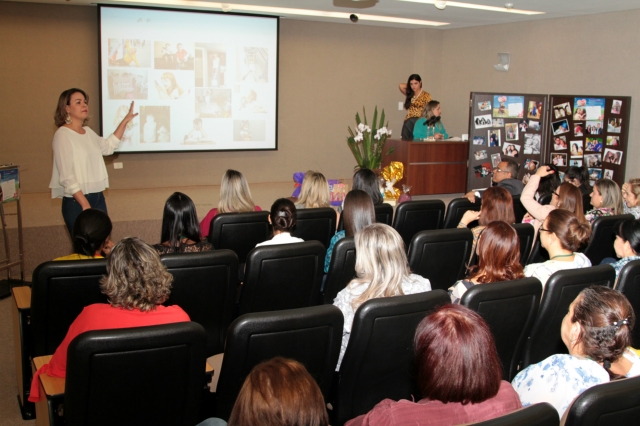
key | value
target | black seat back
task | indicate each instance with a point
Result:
(509, 308)
(142, 375)
(545, 199)
(283, 276)
(456, 209)
(342, 268)
(538, 253)
(586, 202)
(59, 292)
(378, 362)
(441, 255)
(613, 403)
(204, 285)
(541, 414)
(311, 336)
(560, 290)
(414, 216)
(629, 285)
(316, 224)
(239, 232)
(526, 233)
(602, 238)
(518, 209)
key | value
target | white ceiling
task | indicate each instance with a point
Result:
(455, 16)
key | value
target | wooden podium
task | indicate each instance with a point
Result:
(438, 167)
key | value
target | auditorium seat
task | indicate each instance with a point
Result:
(545, 199)
(342, 268)
(538, 253)
(457, 208)
(316, 224)
(602, 238)
(541, 414)
(239, 232)
(414, 216)
(526, 233)
(384, 214)
(629, 285)
(518, 209)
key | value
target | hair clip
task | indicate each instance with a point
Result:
(282, 213)
(620, 323)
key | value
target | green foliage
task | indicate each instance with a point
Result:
(367, 143)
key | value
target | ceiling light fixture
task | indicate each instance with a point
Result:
(440, 5)
(281, 11)
(479, 7)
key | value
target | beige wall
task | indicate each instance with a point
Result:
(327, 73)
(590, 55)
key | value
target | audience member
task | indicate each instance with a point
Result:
(626, 245)
(91, 236)
(136, 284)
(606, 199)
(459, 375)
(562, 234)
(597, 332)
(180, 231)
(278, 392)
(566, 197)
(382, 270)
(358, 213)
(579, 177)
(505, 176)
(549, 183)
(367, 181)
(497, 204)
(235, 197)
(314, 191)
(283, 219)
(631, 197)
(498, 259)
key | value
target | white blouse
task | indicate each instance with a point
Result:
(78, 163)
(411, 285)
(543, 271)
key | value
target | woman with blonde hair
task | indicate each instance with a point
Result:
(382, 270)
(235, 197)
(606, 199)
(429, 125)
(314, 192)
(136, 285)
(631, 197)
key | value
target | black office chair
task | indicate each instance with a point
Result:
(560, 290)
(441, 255)
(586, 202)
(457, 208)
(545, 199)
(602, 238)
(538, 253)
(316, 224)
(542, 414)
(613, 403)
(518, 209)
(526, 233)
(414, 216)
(510, 309)
(629, 285)
(284, 276)
(378, 362)
(204, 285)
(342, 268)
(135, 376)
(239, 232)
(311, 336)
(384, 214)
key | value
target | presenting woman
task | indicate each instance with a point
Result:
(429, 125)
(416, 100)
(79, 174)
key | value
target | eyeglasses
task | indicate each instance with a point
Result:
(556, 194)
(545, 230)
(499, 170)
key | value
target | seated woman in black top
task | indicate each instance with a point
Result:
(180, 227)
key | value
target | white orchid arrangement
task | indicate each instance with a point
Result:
(367, 144)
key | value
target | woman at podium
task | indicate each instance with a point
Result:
(429, 125)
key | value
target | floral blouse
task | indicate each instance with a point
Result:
(635, 210)
(592, 215)
(558, 380)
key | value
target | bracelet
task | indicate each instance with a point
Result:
(464, 225)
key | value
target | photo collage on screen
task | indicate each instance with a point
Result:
(506, 126)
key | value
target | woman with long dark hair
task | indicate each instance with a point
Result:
(415, 101)
(91, 236)
(498, 259)
(367, 181)
(180, 230)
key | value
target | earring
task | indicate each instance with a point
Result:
(68, 119)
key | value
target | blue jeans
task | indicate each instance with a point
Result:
(71, 208)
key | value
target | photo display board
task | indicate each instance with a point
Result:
(201, 81)
(590, 131)
(505, 125)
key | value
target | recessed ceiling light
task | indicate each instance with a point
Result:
(281, 11)
(479, 7)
